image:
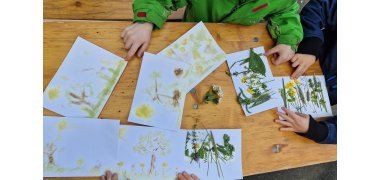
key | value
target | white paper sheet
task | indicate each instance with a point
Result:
(197, 48)
(149, 153)
(302, 96)
(79, 146)
(159, 96)
(84, 81)
(249, 84)
(225, 164)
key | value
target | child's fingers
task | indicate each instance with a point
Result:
(284, 123)
(133, 50)
(272, 51)
(128, 45)
(288, 112)
(287, 129)
(295, 63)
(115, 176)
(294, 58)
(194, 177)
(299, 71)
(126, 29)
(187, 176)
(284, 116)
(142, 49)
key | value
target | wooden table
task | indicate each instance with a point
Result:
(259, 132)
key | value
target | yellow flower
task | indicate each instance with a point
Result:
(120, 164)
(142, 165)
(80, 162)
(169, 52)
(196, 146)
(144, 111)
(62, 125)
(184, 41)
(244, 79)
(292, 92)
(164, 164)
(199, 69)
(249, 90)
(296, 81)
(53, 93)
(289, 85)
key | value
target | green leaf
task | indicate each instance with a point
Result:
(201, 153)
(256, 63)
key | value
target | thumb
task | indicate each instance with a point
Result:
(272, 51)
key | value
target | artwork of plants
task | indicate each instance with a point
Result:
(155, 153)
(159, 95)
(306, 94)
(68, 141)
(211, 154)
(84, 81)
(199, 50)
(206, 150)
(253, 80)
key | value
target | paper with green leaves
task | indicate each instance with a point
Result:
(149, 153)
(79, 146)
(197, 48)
(256, 89)
(84, 81)
(307, 95)
(214, 153)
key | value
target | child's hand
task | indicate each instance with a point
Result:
(281, 53)
(137, 36)
(296, 122)
(303, 61)
(109, 176)
(185, 176)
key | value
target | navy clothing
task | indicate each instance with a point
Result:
(319, 22)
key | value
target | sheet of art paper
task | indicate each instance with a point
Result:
(149, 153)
(307, 94)
(214, 154)
(256, 88)
(84, 81)
(79, 146)
(197, 48)
(159, 96)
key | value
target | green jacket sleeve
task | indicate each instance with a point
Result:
(285, 26)
(155, 11)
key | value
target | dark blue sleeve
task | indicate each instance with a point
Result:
(332, 131)
(315, 17)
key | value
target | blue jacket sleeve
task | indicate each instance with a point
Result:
(315, 17)
(323, 132)
(332, 131)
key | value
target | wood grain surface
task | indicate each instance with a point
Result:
(259, 132)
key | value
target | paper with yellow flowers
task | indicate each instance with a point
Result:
(149, 153)
(307, 95)
(84, 81)
(257, 90)
(78, 146)
(214, 154)
(159, 96)
(197, 48)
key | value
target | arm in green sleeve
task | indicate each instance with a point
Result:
(155, 11)
(285, 26)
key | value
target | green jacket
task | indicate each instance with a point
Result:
(282, 15)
